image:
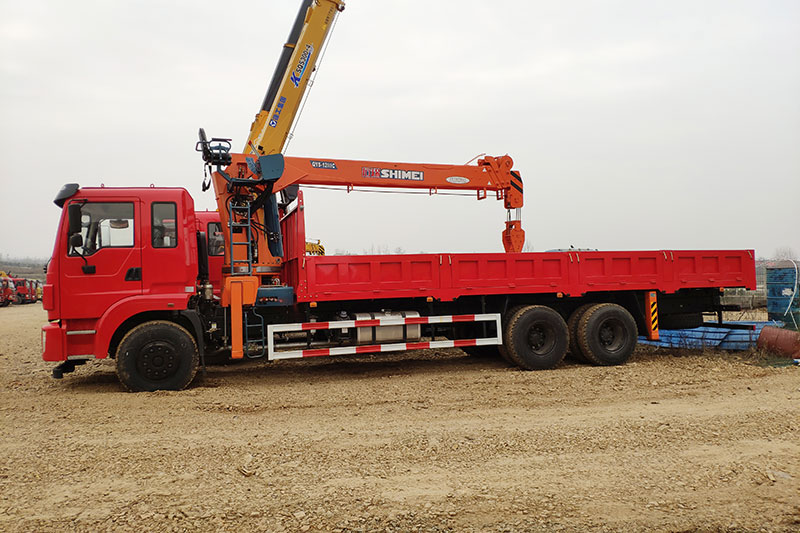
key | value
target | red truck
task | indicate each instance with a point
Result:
(130, 290)
(25, 290)
(8, 291)
(137, 275)
(34, 287)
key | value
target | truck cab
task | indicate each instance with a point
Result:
(33, 296)
(7, 291)
(122, 256)
(22, 290)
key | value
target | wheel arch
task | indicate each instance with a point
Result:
(188, 319)
(129, 311)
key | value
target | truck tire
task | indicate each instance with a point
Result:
(506, 318)
(572, 327)
(157, 355)
(607, 334)
(536, 338)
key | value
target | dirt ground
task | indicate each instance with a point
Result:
(425, 441)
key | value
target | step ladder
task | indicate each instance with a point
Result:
(239, 216)
(255, 341)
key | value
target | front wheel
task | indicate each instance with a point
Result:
(157, 355)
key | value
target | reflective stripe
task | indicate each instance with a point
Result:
(390, 321)
(388, 347)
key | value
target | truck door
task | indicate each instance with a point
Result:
(169, 253)
(107, 267)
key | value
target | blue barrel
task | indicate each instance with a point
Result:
(783, 292)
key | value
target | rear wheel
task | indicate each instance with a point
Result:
(536, 338)
(505, 320)
(157, 355)
(607, 334)
(572, 327)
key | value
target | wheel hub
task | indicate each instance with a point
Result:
(540, 338)
(611, 335)
(157, 360)
(536, 338)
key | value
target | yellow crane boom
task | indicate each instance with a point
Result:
(272, 124)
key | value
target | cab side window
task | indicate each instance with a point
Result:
(105, 225)
(163, 228)
(216, 244)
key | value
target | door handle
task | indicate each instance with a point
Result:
(134, 274)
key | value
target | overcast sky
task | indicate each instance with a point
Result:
(635, 124)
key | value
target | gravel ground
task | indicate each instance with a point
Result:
(424, 441)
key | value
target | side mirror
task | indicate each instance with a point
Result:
(75, 240)
(74, 215)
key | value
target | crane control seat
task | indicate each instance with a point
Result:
(218, 154)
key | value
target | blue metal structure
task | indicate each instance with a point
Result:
(783, 296)
(729, 336)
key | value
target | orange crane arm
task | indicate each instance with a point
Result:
(489, 174)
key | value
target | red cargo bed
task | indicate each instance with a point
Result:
(449, 276)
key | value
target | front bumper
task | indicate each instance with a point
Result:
(53, 342)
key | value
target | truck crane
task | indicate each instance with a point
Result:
(139, 276)
(246, 190)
